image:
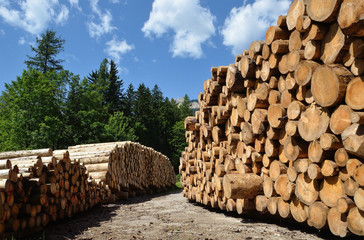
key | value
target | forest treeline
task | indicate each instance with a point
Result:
(48, 106)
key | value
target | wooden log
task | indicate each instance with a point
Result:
(274, 33)
(359, 198)
(296, 10)
(344, 204)
(314, 171)
(353, 139)
(295, 149)
(313, 123)
(323, 11)
(341, 157)
(261, 203)
(332, 189)
(356, 221)
(307, 190)
(357, 67)
(337, 222)
(351, 187)
(340, 119)
(294, 110)
(297, 209)
(329, 84)
(357, 117)
(332, 45)
(276, 116)
(312, 50)
(283, 208)
(284, 187)
(304, 72)
(272, 205)
(350, 17)
(359, 175)
(25, 153)
(242, 186)
(317, 215)
(234, 80)
(280, 46)
(353, 98)
(330, 141)
(329, 168)
(295, 41)
(293, 59)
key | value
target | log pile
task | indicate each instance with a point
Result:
(40, 186)
(128, 168)
(281, 130)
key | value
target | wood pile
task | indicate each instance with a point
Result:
(40, 186)
(128, 168)
(281, 130)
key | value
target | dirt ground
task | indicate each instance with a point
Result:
(171, 216)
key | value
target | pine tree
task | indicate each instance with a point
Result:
(114, 96)
(48, 46)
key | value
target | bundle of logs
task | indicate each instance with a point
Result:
(40, 186)
(281, 130)
(127, 168)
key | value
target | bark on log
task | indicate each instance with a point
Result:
(242, 186)
(350, 17)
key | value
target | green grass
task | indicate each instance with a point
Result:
(178, 181)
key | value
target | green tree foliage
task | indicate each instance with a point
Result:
(31, 110)
(120, 128)
(48, 46)
(50, 107)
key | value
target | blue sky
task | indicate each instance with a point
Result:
(172, 43)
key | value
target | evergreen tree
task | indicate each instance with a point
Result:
(48, 46)
(114, 93)
(129, 101)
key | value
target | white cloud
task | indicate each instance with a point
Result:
(191, 24)
(250, 22)
(114, 1)
(63, 15)
(96, 30)
(74, 3)
(33, 16)
(116, 48)
(21, 41)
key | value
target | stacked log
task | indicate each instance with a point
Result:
(40, 186)
(281, 130)
(126, 167)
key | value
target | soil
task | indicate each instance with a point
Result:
(171, 216)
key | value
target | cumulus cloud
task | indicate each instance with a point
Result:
(116, 48)
(104, 25)
(250, 22)
(191, 25)
(33, 16)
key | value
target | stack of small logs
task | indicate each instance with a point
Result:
(128, 168)
(39, 186)
(281, 130)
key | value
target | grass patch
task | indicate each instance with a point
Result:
(178, 181)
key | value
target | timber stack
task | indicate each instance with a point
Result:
(281, 130)
(127, 168)
(41, 186)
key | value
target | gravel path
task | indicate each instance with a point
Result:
(171, 216)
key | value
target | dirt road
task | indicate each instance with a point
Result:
(171, 216)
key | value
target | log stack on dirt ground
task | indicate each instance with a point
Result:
(40, 186)
(127, 168)
(281, 130)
